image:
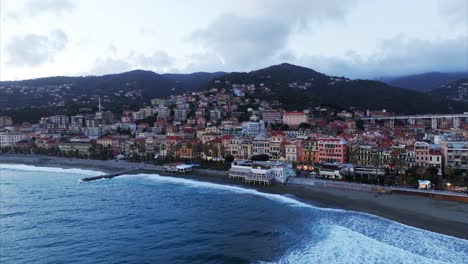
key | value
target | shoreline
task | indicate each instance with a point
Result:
(445, 217)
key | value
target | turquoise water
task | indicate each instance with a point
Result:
(48, 216)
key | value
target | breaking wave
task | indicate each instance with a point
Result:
(50, 169)
(353, 236)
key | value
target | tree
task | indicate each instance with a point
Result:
(261, 157)
(304, 126)
(360, 124)
(229, 158)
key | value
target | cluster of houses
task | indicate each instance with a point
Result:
(216, 124)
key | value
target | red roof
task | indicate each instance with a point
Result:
(227, 137)
(294, 113)
(277, 133)
(216, 140)
(106, 138)
(173, 138)
(80, 137)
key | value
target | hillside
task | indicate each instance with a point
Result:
(193, 81)
(132, 87)
(426, 81)
(295, 87)
(285, 85)
(457, 91)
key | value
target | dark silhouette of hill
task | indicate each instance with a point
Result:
(425, 82)
(296, 87)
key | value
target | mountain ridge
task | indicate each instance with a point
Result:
(292, 86)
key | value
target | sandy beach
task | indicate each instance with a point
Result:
(446, 217)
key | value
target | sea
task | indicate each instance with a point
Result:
(48, 216)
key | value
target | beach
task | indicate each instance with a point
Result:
(446, 217)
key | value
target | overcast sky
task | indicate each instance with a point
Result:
(353, 38)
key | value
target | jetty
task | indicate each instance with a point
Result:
(110, 176)
(178, 168)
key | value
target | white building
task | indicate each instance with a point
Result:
(8, 139)
(253, 129)
(262, 172)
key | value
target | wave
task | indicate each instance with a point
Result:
(354, 232)
(200, 184)
(353, 247)
(50, 169)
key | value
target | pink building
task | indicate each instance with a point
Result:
(295, 118)
(426, 156)
(332, 150)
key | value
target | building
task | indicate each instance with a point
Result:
(81, 148)
(8, 139)
(262, 172)
(180, 114)
(292, 151)
(253, 129)
(332, 150)
(163, 112)
(366, 154)
(61, 121)
(272, 117)
(294, 119)
(330, 171)
(310, 152)
(427, 155)
(261, 146)
(215, 115)
(455, 155)
(5, 121)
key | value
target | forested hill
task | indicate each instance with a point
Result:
(296, 87)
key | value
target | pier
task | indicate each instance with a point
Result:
(173, 169)
(109, 176)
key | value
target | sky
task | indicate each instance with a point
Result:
(352, 38)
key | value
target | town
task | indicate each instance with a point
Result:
(215, 127)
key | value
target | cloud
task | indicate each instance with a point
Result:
(36, 7)
(203, 62)
(396, 56)
(456, 11)
(241, 41)
(33, 49)
(301, 12)
(109, 66)
(158, 61)
(262, 28)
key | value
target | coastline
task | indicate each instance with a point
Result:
(445, 217)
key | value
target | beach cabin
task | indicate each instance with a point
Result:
(261, 172)
(184, 168)
(178, 167)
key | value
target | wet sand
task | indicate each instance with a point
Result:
(446, 217)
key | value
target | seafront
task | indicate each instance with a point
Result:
(444, 217)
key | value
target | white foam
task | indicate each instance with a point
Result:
(50, 169)
(345, 246)
(199, 184)
(360, 231)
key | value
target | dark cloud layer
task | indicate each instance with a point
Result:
(263, 30)
(396, 56)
